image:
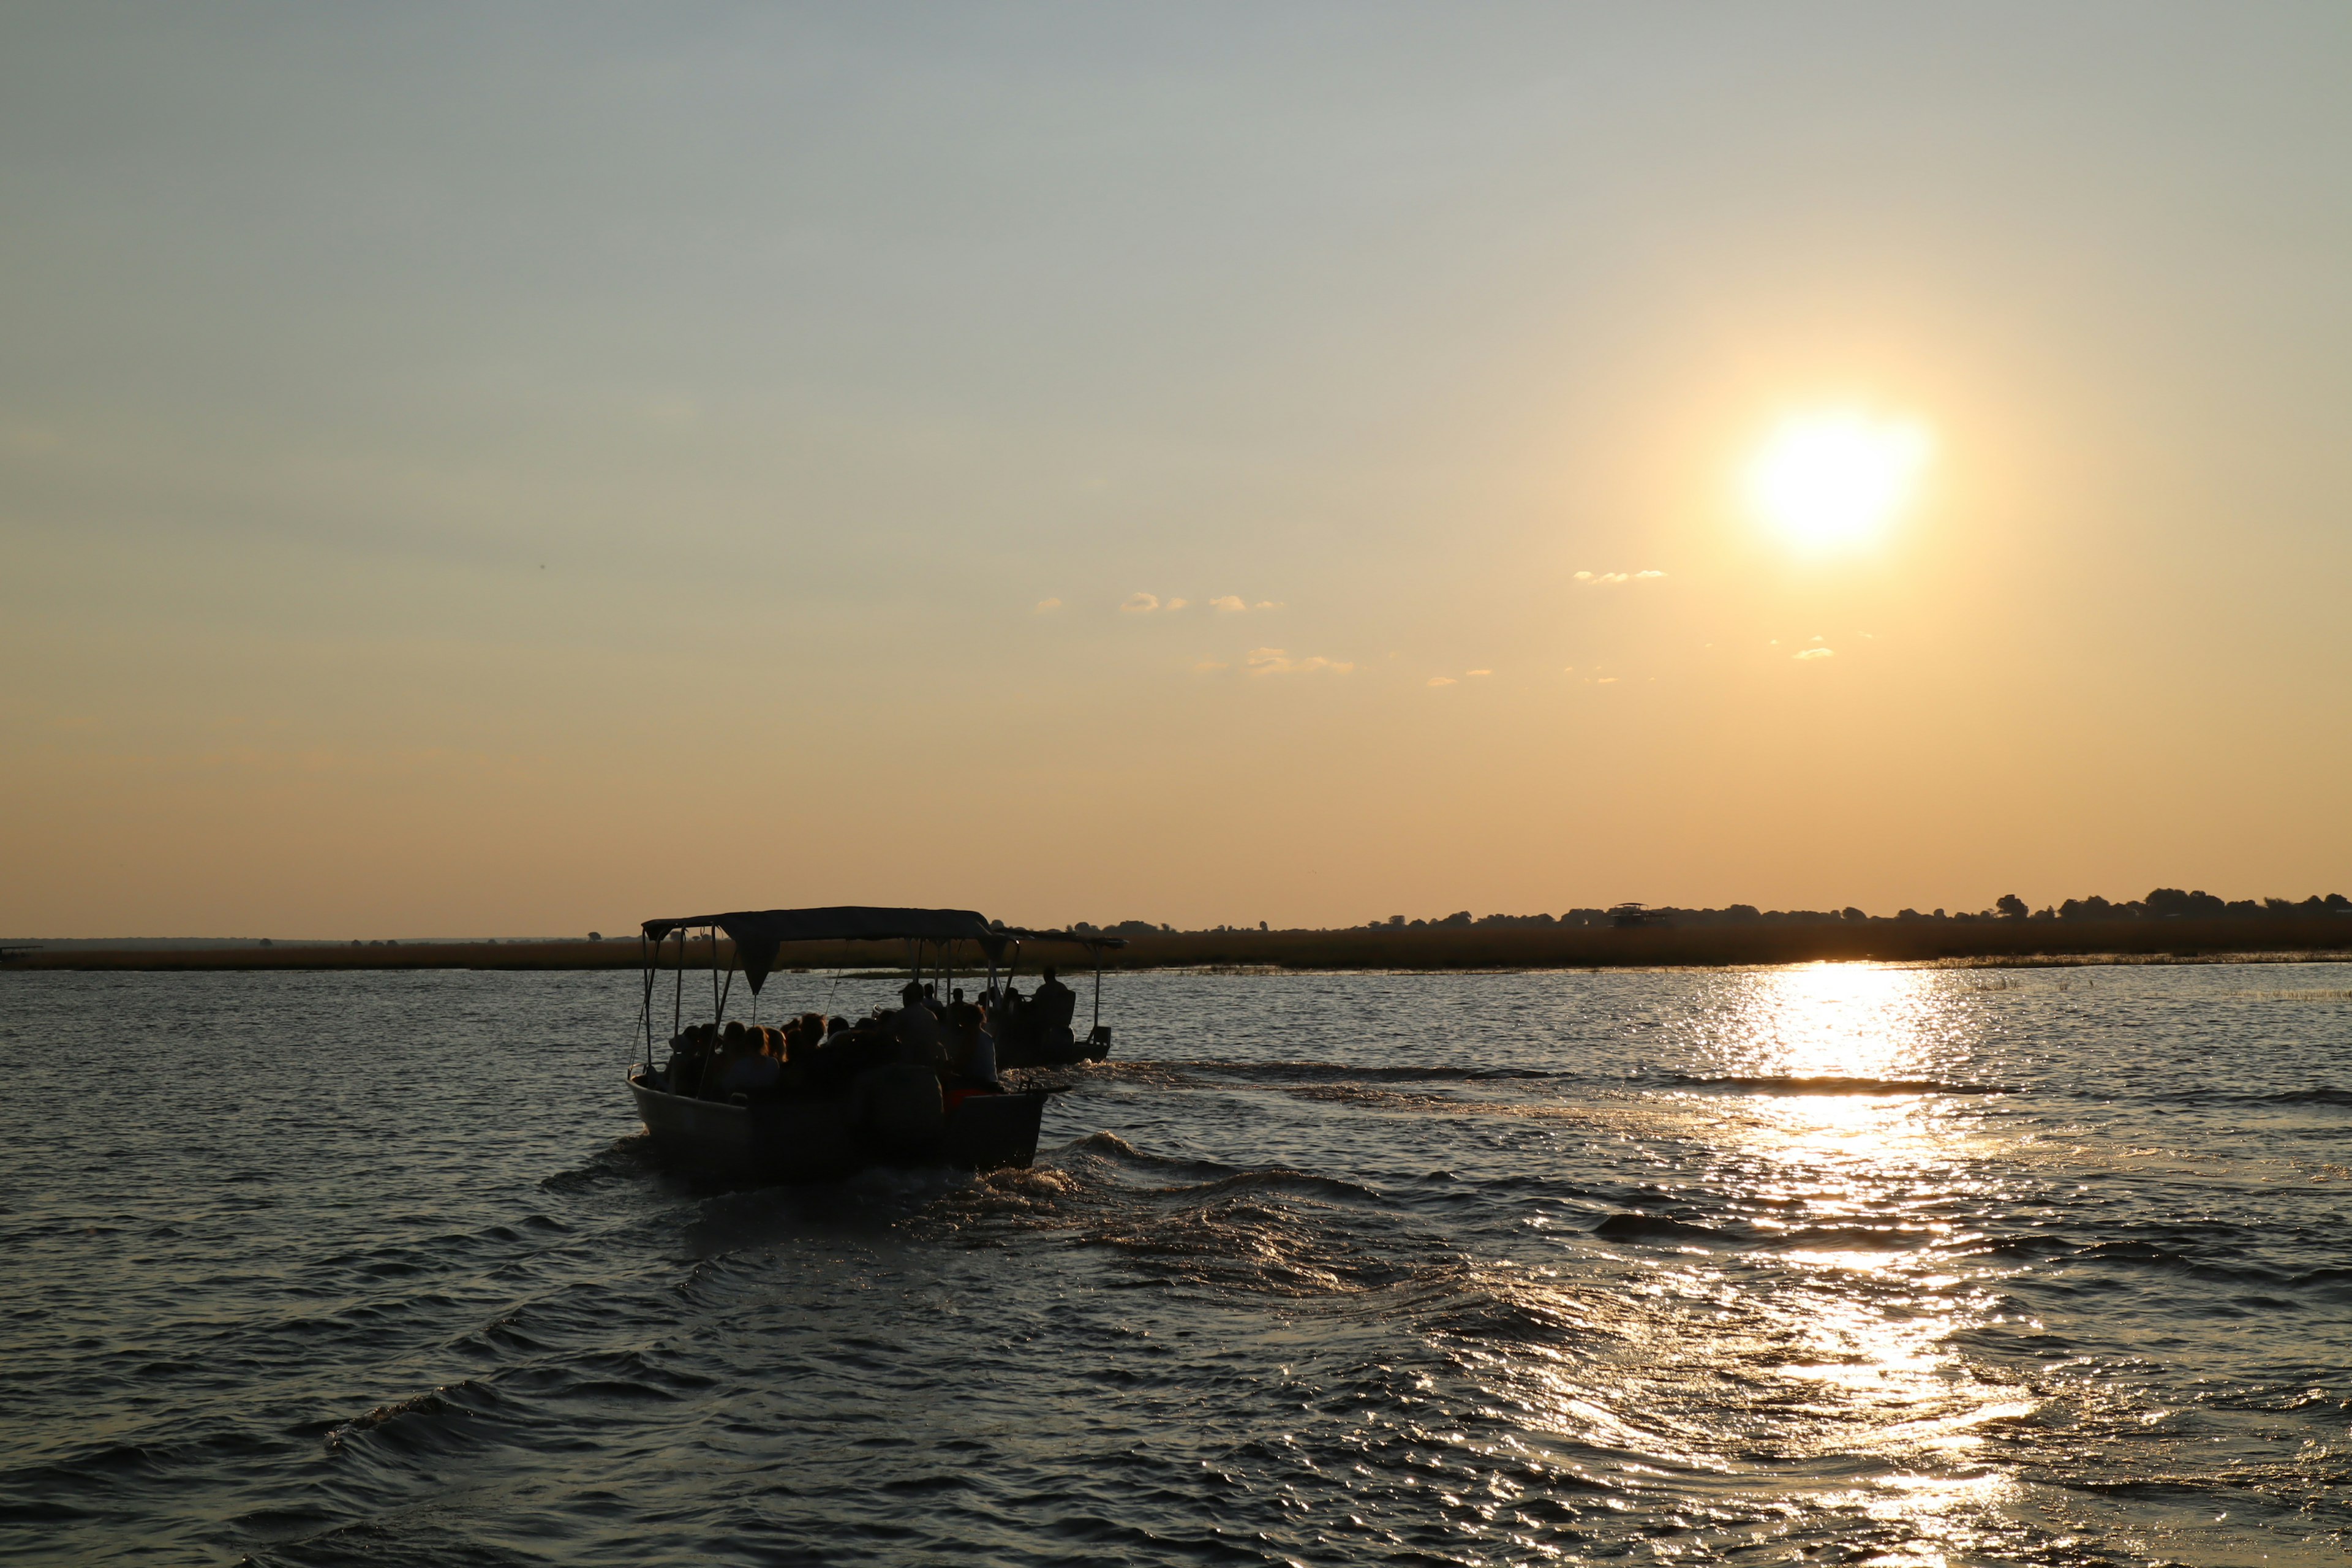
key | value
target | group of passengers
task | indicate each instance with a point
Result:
(815, 1054)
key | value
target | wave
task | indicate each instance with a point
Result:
(1778, 1084)
(1657, 1227)
(2319, 1095)
(1637, 1226)
(623, 1158)
(421, 1418)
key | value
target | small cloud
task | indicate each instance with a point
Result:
(1047, 606)
(1818, 653)
(1440, 681)
(1482, 673)
(1819, 638)
(1569, 670)
(1614, 579)
(1275, 661)
(1229, 605)
(1209, 665)
(1174, 604)
(1647, 576)
(1605, 680)
(1268, 604)
(1140, 603)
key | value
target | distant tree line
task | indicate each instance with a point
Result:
(2161, 903)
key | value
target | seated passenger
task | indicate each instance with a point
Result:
(980, 1058)
(1014, 1023)
(916, 1033)
(751, 1072)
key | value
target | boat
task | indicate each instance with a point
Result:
(885, 1112)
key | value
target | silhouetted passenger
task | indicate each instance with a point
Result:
(750, 1072)
(979, 1053)
(917, 1032)
(685, 1059)
(1055, 1003)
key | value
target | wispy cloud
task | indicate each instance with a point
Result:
(1174, 605)
(1140, 603)
(1614, 579)
(1047, 606)
(1818, 653)
(1277, 661)
(1480, 672)
(1268, 604)
(1440, 681)
(1229, 605)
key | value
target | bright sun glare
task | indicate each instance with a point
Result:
(1836, 477)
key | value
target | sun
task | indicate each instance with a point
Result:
(1837, 477)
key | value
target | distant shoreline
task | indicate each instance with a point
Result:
(1988, 943)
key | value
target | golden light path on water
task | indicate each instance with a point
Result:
(1828, 1330)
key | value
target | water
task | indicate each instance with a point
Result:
(1821, 1264)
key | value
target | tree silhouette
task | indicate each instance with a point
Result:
(2012, 907)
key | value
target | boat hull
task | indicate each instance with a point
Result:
(817, 1137)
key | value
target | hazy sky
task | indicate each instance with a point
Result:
(501, 470)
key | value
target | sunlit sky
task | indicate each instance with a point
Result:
(525, 469)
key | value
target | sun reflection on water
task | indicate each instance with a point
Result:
(1819, 1294)
(1839, 1020)
(1857, 1159)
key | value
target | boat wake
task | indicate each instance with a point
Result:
(1266, 1231)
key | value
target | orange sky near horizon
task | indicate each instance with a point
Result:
(526, 473)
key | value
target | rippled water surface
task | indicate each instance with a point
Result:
(1832, 1264)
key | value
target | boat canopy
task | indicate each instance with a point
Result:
(758, 933)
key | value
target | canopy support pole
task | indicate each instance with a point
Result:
(730, 991)
(645, 1015)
